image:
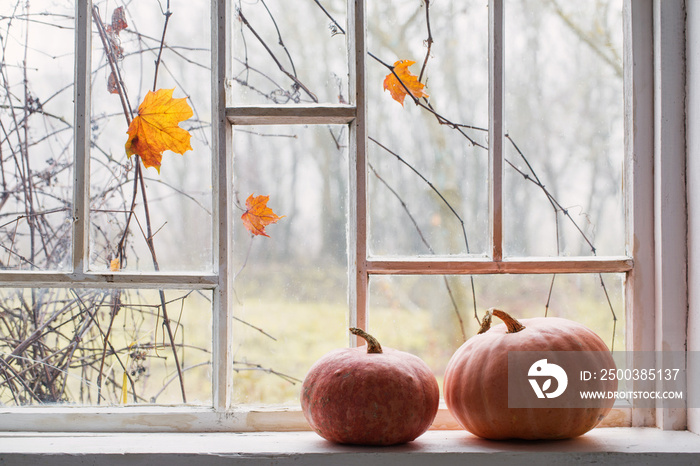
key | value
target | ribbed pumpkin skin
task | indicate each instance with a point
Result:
(476, 382)
(350, 396)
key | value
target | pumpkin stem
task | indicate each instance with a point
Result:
(373, 345)
(511, 323)
(485, 323)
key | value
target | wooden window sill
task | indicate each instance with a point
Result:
(603, 445)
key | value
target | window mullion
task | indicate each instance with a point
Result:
(496, 86)
(222, 201)
(357, 211)
(291, 115)
(639, 181)
(670, 247)
(533, 265)
(107, 280)
(81, 172)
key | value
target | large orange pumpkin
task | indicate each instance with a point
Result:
(476, 379)
(369, 395)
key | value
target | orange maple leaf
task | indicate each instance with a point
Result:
(258, 215)
(156, 129)
(398, 91)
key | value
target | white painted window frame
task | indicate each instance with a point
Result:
(655, 289)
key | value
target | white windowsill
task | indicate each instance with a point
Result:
(602, 445)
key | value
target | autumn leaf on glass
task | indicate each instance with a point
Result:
(156, 128)
(258, 215)
(410, 82)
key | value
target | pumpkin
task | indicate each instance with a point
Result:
(476, 379)
(369, 395)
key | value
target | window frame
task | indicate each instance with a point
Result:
(655, 289)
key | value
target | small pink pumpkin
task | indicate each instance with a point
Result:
(369, 395)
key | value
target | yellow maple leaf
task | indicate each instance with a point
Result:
(409, 80)
(114, 265)
(156, 128)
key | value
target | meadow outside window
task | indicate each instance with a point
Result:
(513, 179)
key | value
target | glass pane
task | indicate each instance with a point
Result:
(291, 287)
(564, 112)
(428, 176)
(96, 347)
(172, 206)
(36, 134)
(289, 52)
(431, 316)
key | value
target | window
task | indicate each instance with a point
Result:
(433, 208)
(408, 221)
(100, 278)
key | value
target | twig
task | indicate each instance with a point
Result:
(105, 339)
(555, 204)
(112, 60)
(21, 380)
(428, 41)
(432, 187)
(161, 293)
(427, 245)
(258, 367)
(342, 31)
(440, 118)
(614, 61)
(610, 306)
(277, 62)
(167, 13)
(139, 183)
(532, 176)
(447, 204)
(244, 322)
(280, 41)
(175, 377)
